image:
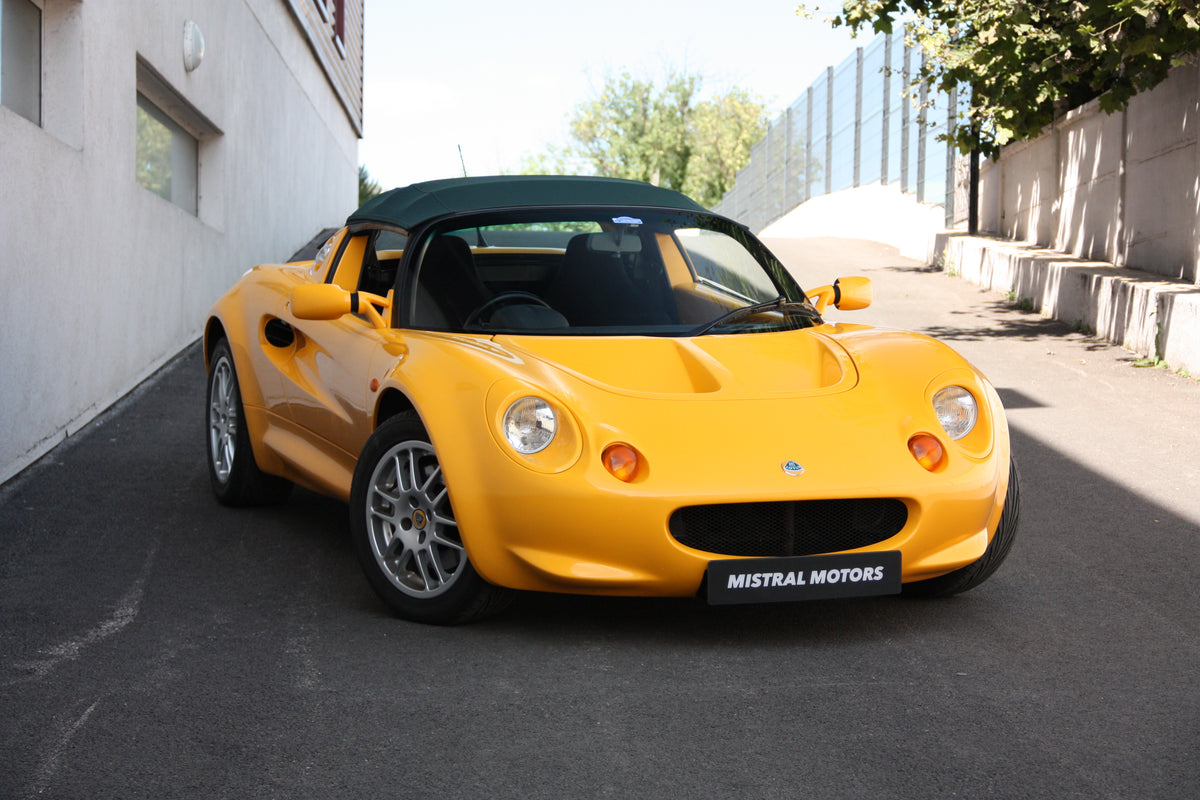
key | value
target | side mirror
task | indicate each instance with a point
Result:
(851, 294)
(847, 294)
(322, 301)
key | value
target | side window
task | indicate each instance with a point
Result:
(21, 58)
(724, 264)
(382, 262)
(167, 156)
(173, 137)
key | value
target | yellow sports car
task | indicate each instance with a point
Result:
(598, 386)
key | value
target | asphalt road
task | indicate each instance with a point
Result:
(155, 644)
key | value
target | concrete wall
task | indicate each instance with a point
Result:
(105, 281)
(1121, 188)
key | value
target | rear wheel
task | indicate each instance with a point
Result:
(406, 535)
(973, 574)
(235, 477)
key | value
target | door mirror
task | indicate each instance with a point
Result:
(322, 301)
(852, 293)
(847, 294)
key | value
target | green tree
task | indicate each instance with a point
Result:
(1027, 62)
(723, 131)
(666, 135)
(367, 186)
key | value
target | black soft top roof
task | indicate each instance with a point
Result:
(409, 206)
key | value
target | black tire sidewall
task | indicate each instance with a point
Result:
(970, 576)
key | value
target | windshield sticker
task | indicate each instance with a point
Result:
(627, 221)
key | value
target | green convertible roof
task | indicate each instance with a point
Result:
(409, 206)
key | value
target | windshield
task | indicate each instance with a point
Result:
(599, 273)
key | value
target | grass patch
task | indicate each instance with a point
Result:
(1079, 326)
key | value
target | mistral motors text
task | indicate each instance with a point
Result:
(765, 580)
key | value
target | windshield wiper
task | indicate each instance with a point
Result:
(778, 304)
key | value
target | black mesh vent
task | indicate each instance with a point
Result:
(797, 528)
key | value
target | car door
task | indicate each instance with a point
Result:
(327, 385)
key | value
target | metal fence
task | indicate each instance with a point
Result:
(854, 126)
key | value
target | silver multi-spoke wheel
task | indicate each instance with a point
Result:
(410, 522)
(405, 533)
(222, 419)
(232, 470)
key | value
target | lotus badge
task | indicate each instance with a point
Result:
(792, 468)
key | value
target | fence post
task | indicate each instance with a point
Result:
(808, 153)
(885, 138)
(787, 161)
(858, 108)
(922, 118)
(828, 129)
(905, 121)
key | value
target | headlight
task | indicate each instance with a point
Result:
(956, 410)
(529, 425)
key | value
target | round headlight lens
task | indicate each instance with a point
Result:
(529, 425)
(956, 410)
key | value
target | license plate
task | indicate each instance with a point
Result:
(777, 580)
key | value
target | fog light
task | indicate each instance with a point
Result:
(622, 461)
(926, 450)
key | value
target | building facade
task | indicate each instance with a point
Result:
(149, 154)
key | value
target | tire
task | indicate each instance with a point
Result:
(973, 574)
(405, 533)
(234, 474)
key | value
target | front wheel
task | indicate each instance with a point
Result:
(977, 572)
(405, 534)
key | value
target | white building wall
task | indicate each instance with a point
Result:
(105, 281)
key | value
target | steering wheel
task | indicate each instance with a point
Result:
(500, 301)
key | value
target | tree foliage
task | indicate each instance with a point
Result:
(666, 135)
(1028, 61)
(368, 187)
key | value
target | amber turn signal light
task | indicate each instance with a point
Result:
(927, 450)
(622, 461)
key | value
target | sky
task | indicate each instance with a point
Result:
(500, 79)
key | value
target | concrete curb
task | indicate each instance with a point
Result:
(1140, 311)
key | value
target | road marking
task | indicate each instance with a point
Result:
(125, 612)
(49, 767)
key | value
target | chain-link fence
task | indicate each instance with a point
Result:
(856, 125)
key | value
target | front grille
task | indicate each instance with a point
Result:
(792, 528)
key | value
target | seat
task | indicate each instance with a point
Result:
(593, 286)
(377, 276)
(448, 277)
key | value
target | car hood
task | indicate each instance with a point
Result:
(743, 365)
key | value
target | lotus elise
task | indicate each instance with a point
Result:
(598, 386)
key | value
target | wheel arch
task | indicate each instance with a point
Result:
(392, 402)
(214, 332)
